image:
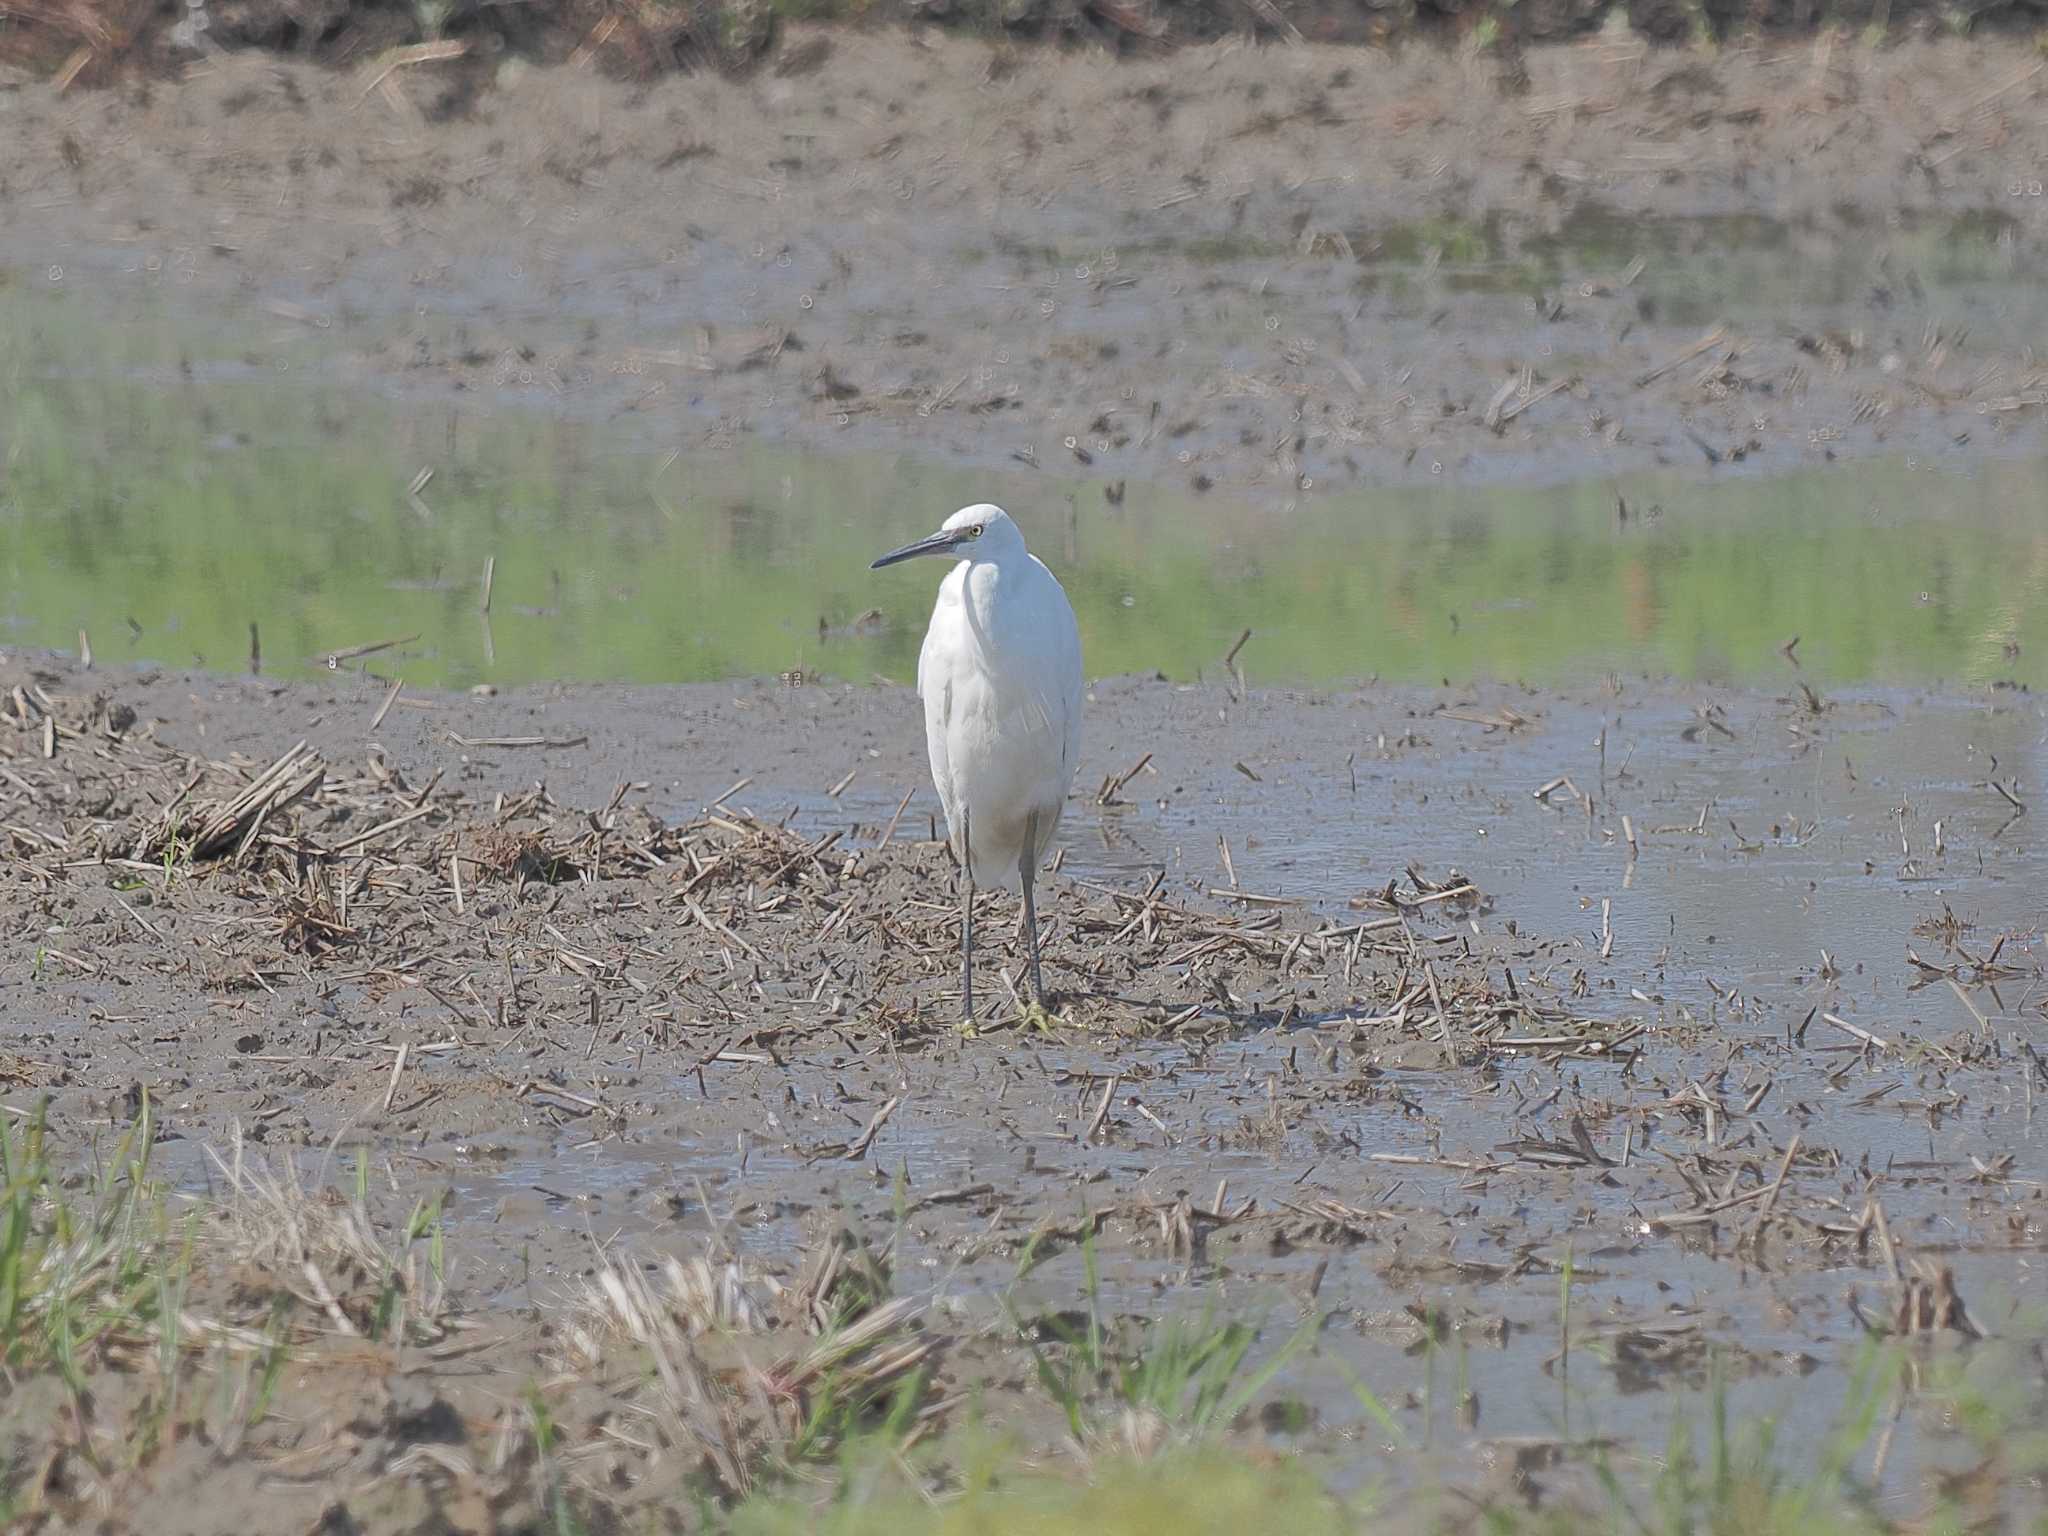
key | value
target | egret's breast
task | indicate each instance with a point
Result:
(995, 677)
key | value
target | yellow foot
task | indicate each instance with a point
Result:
(1041, 1018)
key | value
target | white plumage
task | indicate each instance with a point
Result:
(1000, 676)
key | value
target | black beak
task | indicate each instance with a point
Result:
(940, 543)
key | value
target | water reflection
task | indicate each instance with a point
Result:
(164, 515)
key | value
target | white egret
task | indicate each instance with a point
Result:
(1000, 675)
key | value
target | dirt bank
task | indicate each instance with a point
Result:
(1264, 269)
(95, 41)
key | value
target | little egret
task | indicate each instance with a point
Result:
(1000, 675)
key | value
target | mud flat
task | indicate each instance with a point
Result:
(1403, 1013)
(546, 1106)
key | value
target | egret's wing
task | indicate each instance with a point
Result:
(1036, 704)
(924, 661)
(935, 687)
(938, 718)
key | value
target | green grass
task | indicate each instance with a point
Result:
(1179, 1376)
(80, 1269)
(92, 1271)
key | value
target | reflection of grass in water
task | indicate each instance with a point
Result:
(1538, 584)
(1698, 268)
(195, 509)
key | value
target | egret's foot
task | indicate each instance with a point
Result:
(1041, 1018)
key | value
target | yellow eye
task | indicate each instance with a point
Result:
(974, 532)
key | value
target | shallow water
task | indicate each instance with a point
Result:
(166, 490)
(1785, 867)
(1695, 270)
(170, 485)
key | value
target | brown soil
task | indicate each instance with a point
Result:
(563, 957)
(1264, 269)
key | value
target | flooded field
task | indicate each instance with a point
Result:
(1424, 1043)
(1548, 930)
(163, 506)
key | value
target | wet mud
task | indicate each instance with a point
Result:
(1405, 1005)
(1389, 1002)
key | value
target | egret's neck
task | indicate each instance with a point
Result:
(1005, 555)
(990, 583)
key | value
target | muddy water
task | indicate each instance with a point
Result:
(167, 489)
(1787, 859)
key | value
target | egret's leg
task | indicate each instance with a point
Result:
(966, 924)
(1027, 863)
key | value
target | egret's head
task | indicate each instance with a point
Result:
(980, 532)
